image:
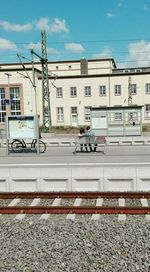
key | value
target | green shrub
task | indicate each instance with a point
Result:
(62, 129)
(146, 128)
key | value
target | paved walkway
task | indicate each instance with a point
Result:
(56, 155)
(132, 149)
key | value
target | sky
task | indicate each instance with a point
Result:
(76, 29)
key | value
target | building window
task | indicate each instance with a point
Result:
(117, 89)
(132, 116)
(147, 111)
(133, 88)
(147, 88)
(2, 105)
(118, 116)
(73, 91)
(102, 90)
(60, 114)
(87, 114)
(73, 110)
(74, 116)
(59, 92)
(15, 101)
(87, 90)
(12, 99)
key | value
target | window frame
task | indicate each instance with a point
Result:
(87, 91)
(117, 89)
(59, 92)
(3, 106)
(117, 114)
(147, 112)
(133, 89)
(15, 102)
(102, 90)
(60, 114)
(147, 88)
(87, 114)
(73, 91)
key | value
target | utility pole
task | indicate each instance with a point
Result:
(45, 84)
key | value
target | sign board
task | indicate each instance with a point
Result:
(100, 122)
(21, 127)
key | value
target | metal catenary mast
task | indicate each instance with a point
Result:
(45, 84)
(129, 92)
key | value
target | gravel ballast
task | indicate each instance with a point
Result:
(82, 245)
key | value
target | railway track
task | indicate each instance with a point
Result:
(71, 203)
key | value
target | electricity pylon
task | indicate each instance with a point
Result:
(45, 84)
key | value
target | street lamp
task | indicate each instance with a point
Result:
(8, 76)
(7, 103)
(33, 79)
(8, 95)
(34, 86)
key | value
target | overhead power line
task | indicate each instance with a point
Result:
(86, 41)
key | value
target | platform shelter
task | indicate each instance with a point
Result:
(117, 121)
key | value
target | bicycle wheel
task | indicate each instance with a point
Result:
(42, 146)
(17, 146)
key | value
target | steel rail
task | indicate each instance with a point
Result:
(30, 195)
(73, 209)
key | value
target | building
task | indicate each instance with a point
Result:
(75, 86)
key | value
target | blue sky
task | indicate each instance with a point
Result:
(77, 28)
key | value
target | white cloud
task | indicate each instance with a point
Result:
(37, 46)
(106, 53)
(7, 45)
(15, 27)
(146, 8)
(52, 51)
(43, 24)
(120, 3)
(34, 46)
(138, 55)
(56, 26)
(109, 14)
(74, 47)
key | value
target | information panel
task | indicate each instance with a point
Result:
(20, 127)
(100, 122)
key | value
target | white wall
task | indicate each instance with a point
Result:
(74, 177)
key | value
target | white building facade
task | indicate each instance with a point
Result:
(75, 86)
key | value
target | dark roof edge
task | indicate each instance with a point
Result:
(20, 69)
(99, 75)
(61, 61)
(117, 107)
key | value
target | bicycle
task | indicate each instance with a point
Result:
(18, 146)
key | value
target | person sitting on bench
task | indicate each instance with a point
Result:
(90, 133)
(80, 135)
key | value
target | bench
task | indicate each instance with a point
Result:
(88, 143)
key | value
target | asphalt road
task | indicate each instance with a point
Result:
(59, 155)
